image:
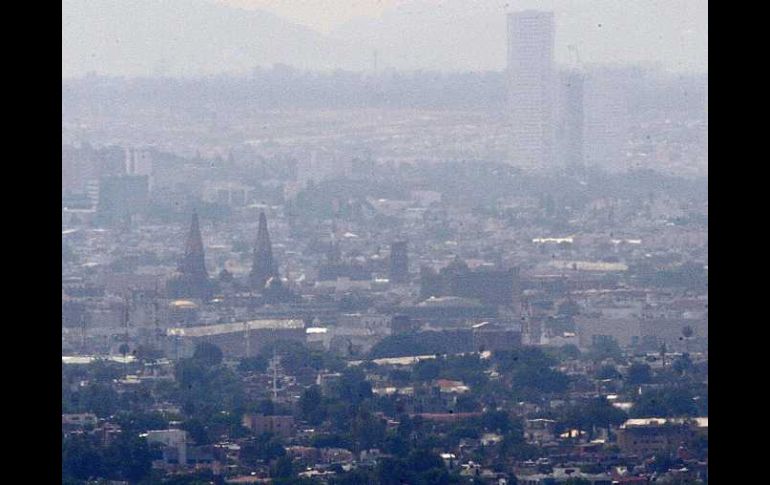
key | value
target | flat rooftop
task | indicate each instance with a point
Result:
(224, 328)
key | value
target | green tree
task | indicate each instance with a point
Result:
(608, 372)
(423, 460)
(311, 405)
(100, 399)
(197, 430)
(140, 422)
(565, 352)
(263, 448)
(368, 431)
(81, 460)
(426, 370)
(253, 364)
(128, 458)
(467, 403)
(399, 377)
(206, 391)
(577, 481)
(666, 402)
(541, 379)
(208, 354)
(467, 368)
(436, 476)
(330, 441)
(605, 348)
(396, 445)
(354, 477)
(514, 446)
(682, 365)
(529, 371)
(352, 387)
(266, 407)
(639, 373)
(595, 413)
(283, 468)
(392, 471)
(148, 353)
(189, 373)
(494, 420)
(124, 349)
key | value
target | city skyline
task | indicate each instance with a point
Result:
(421, 242)
(454, 36)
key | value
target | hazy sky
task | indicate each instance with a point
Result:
(671, 32)
(325, 15)
(141, 37)
(321, 15)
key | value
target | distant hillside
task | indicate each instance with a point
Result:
(190, 37)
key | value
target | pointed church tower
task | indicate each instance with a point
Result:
(263, 267)
(193, 278)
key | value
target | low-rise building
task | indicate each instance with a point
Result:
(78, 421)
(239, 339)
(650, 435)
(174, 442)
(282, 426)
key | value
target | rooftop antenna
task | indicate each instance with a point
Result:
(248, 338)
(275, 373)
(83, 333)
(156, 315)
(287, 267)
(526, 317)
(126, 316)
(123, 349)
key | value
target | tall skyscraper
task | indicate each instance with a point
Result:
(706, 124)
(607, 114)
(530, 87)
(570, 119)
(399, 262)
(263, 267)
(193, 281)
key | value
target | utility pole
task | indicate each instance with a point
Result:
(248, 338)
(123, 349)
(156, 318)
(275, 374)
(83, 333)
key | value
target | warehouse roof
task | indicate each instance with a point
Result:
(222, 328)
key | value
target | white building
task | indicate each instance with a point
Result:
(358, 332)
(228, 192)
(139, 161)
(171, 438)
(530, 87)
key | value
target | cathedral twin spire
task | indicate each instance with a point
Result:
(192, 264)
(193, 279)
(192, 268)
(263, 266)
